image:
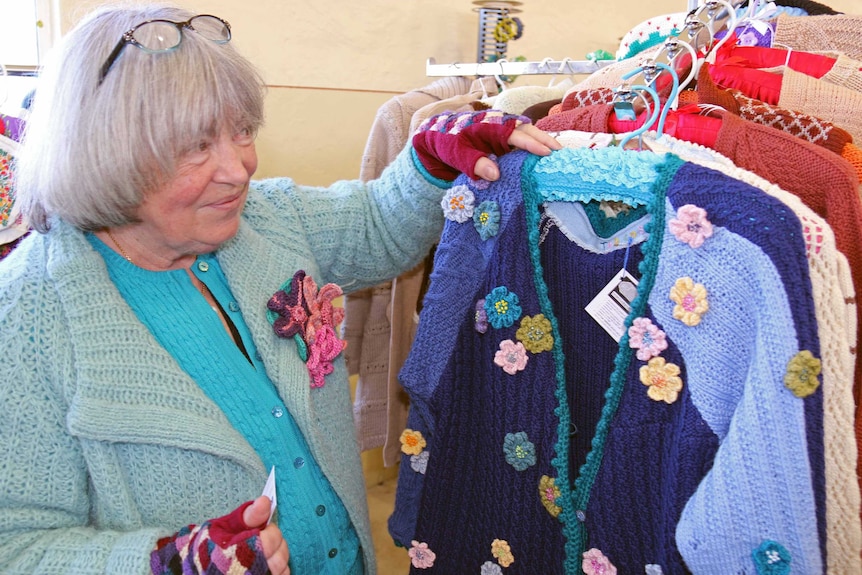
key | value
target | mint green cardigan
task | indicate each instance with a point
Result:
(108, 445)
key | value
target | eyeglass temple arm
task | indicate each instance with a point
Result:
(112, 58)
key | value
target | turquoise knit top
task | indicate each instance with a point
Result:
(311, 517)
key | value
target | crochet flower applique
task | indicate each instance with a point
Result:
(420, 556)
(490, 568)
(511, 356)
(646, 338)
(690, 225)
(595, 563)
(690, 299)
(457, 204)
(301, 311)
(662, 379)
(480, 319)
(535, 333)
(549, 493)
(502, 552)
(520, 451)
(486, 219)
(771, 558)
(412, 442)
(802, 372)
(502, 307)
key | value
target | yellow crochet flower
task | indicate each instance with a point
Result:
(690, 299)
(662, 380)
(412, 442)
(535, 333)
(549, 493)
(502, 552)
(802, 372)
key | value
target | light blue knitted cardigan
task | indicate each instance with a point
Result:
(107, 445)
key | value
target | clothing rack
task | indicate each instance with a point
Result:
(514, 68)
(503, 67)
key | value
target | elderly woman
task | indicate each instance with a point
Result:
(169, 335)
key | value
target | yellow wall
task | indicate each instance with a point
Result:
(331, 64)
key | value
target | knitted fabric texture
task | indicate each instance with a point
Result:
(464, 404)
(649, 33)
(223, 546)
(846, 72)
(100, 408)
(810, 7)
(449, 144)
(827, 33)
(375, 338)
(835, 307)
(824, 100)
(802, 125)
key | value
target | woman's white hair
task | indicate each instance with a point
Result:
(91, 152)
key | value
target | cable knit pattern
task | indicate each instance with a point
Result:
(108, 445)
(822, 33)
(649, 468)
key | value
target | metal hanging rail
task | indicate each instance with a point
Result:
(505, 68)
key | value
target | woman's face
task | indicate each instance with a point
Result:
(199, 208)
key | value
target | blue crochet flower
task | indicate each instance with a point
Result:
(520, 452)
(502, 307)
(419, 463)
(486, 219)
(491, 568)
(771, 558)
(457, 204)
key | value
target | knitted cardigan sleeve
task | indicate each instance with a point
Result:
(44, 491)
(358, 233)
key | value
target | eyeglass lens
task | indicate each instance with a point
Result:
(160, 35)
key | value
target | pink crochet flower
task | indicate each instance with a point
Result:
(647, 338)
(511, 356)
(301, 311)
(595, 563)
(420, 556)
(322, 349)
(691, 226)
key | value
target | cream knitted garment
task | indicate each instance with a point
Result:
(835, 308)
(822, 99)
(836, 33)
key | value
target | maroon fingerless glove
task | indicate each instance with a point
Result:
(217, 547)
(449, 144)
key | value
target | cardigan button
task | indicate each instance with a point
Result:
(333, 552)
(320, 510)
(298, 462)
(232, 306)
(277, 411)
(203, 266)
(581, 515)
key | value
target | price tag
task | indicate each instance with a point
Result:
(612, 305)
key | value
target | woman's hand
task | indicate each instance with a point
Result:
(526, 137)
(274, 546)
(448, 144)
(239, 542)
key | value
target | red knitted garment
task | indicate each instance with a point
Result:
(807, 127)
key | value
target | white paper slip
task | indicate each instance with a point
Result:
(612, 305)
(269, 491)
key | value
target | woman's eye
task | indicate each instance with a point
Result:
(244, 135)
(203, 146)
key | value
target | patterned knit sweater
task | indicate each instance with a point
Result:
(694, 457)
(108, 444)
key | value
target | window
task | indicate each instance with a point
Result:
(29, 27)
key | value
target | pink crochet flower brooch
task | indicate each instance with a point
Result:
(301, 311)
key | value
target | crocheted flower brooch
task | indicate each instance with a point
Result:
(301, 311)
